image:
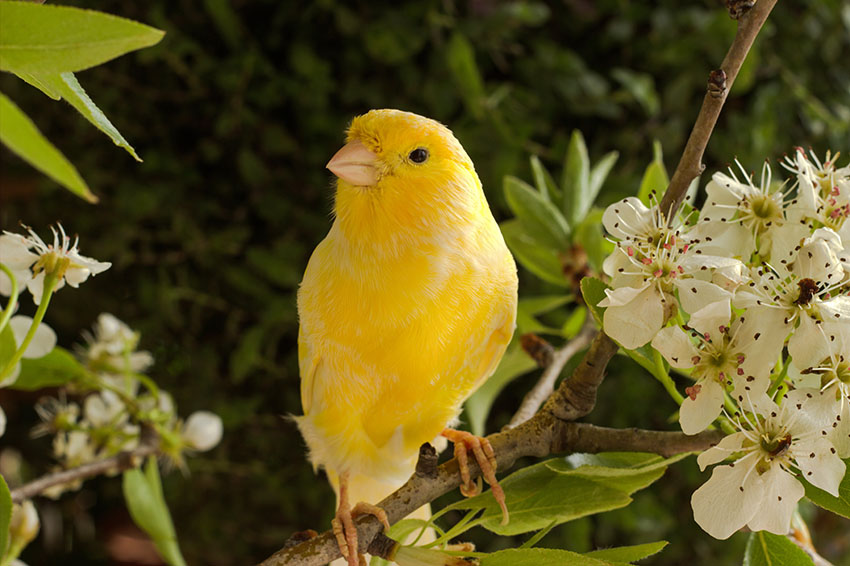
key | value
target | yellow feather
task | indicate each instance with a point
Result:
(405, 307)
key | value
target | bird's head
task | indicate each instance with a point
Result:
(402, 172)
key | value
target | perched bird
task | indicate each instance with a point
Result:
(406, 307)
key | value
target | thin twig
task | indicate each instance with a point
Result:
(541, 436)
(720, 81)
(119, 462)
(545, 386)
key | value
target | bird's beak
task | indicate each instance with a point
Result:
(355, 164)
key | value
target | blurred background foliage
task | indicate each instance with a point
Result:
(235, 114)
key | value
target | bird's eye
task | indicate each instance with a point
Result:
(418, 155)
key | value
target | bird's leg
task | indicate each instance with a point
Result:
(486, 458)
(343, 523)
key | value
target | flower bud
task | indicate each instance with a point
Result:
(202, 430)
(24, 525)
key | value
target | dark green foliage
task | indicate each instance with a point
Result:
(236, 112)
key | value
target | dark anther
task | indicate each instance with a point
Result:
(717, 83)
(737, 8)
(299, 537)
(426, 465)
(537, 348)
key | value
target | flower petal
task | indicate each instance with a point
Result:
(725, 448)
(636, 323)
(818, 460)
(673, 343)
(782, 491)
(696, 414)
(729, 499)
(42, 342)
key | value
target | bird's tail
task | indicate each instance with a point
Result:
(371, 490)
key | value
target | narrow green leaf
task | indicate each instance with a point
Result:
(514, 363)
(839, 505)
(768, 549)
(539, 557)
(540, 261)
(600, 172)
(56, 39)
(589, 235)
(576, 181)
(461, 62)
(642, 88)
(66, 86)
(628, 553)
(540, 219)
(543, 181)
(35, 80)
(20, 135)
(574, 322)
(555, 490)
(58, 367)
(5, 514)
(542, 303)
(655, 179)
(145, 501)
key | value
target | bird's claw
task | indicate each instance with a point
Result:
(484, 455)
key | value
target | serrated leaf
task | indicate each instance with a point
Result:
(576, 180)
(56, 39)
(540, 261)
(146, 503)
(514, 363)
(539, 217)
(839, 505)
(21, 135)
(58, 367)
(554, 490)
(768, 549)
(461, 62)
(543, 181)
(628, 553)
(655, 177)
(539, 557)
(35, 80)
(65, 85)
(5, 514)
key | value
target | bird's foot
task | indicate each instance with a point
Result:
(346, 532)
(486, 459)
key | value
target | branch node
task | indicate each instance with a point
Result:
(383, 546)
(426, 465)
(537, 348)
(739, 8)
(717, 83)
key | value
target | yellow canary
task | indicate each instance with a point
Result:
(406, 306)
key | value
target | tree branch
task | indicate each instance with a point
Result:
(119, 462)
(720, 82)
(545, 386)
(540, 436)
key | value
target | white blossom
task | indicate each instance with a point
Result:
(42, 343)
(61, 258)
(202, 430)
(759, 489)
(112, 347)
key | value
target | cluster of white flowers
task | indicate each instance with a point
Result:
(750, 297)
(108, 421)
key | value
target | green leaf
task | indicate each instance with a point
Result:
(642, 88)
(768, 549)
(65, 85)
(36, 81)
(543, 180)
(543, 303)
(555, 490)
(600, 172)
(839, 505)
(628, 553)
(461, 62)
(540, 261)
(576, 181)
(589, 235)
(56, 368)
(539, 557)
(5, 514)
(20, 135)
(514, 363)
(146, 503)
(56, 39)
(593, 291)
(540, 219)
(574, 322)
(655, 179)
